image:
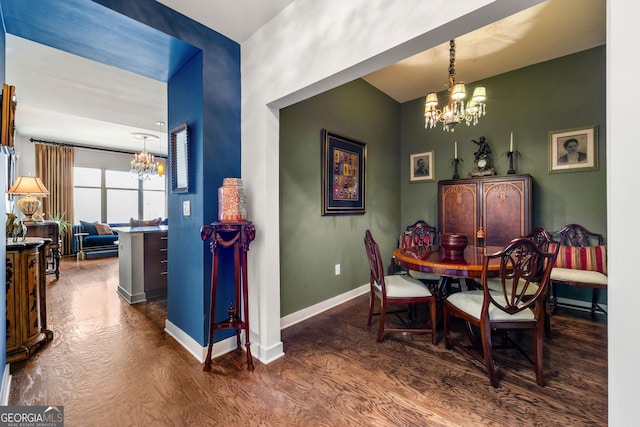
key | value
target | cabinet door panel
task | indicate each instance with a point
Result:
(504, 211)
(13, 301)
(458, 209)
(32, 282)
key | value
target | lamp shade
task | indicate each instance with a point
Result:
(29, 185)
(458, 91)
(479, 94)
(432, 100)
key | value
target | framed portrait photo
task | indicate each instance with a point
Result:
(344, 166)
(573, 150)
(421, 167)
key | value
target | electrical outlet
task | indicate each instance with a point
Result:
(186, 208)
(337, 269)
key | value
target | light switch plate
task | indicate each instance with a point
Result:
(186, 208)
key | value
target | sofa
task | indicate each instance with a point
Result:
(96, 239)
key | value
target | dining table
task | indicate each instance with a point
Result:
(465, 265)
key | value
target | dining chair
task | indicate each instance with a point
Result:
(418, 234)
(394, 290)
(544, 240)
(514, 307)
(582, 262)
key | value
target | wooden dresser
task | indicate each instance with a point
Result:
(501, 205)
(26, 297)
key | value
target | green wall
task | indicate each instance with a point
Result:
(565, 93)
(311, 244)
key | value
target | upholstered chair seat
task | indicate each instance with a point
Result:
(471, 303)
(581, 276)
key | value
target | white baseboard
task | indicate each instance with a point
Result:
(6, 385)
(314, 310)
(267, 355)
(192, 346)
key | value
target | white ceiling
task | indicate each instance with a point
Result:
(66, 98)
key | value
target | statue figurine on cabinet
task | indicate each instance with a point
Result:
(15, 229)
(482, 159)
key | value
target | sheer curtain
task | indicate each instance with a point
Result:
(54, 166)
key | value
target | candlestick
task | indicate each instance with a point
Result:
(511, 169)
(511, 144)
(455, 150)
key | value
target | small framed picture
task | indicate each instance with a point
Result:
(572, 150)
(421, 167)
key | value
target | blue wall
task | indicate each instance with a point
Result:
(202, 69)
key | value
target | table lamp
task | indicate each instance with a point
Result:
(28, 186)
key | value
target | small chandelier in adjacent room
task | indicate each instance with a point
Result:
(456, 111)
(144, 163)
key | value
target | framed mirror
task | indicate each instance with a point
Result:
(180, 158)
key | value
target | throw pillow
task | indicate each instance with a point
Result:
(89, 227)
(145, 223)
(103, 229)
(590, 258)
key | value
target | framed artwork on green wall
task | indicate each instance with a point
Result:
(421, 167)
(572, 150)
(344, 162)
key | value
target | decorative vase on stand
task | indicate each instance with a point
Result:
(232, 202)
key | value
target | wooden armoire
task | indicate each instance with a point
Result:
(501, 205)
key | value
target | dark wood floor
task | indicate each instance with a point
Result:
(111, 364)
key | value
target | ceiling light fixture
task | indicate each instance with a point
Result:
(456, 111)
(144, 163)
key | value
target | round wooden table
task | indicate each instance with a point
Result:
(437, 260)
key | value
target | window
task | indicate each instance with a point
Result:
(154, 199)
(122, 196)
(87, 194)
(116, 196)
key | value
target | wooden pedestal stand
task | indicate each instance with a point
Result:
(225, 234)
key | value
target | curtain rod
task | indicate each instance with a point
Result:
(88, 147)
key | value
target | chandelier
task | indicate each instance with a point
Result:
(456, 111)
(143, 164)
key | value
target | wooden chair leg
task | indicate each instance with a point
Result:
(383, 319)
(538, 347)
(434, 334)
(594, 301)
(445, 322)
(372, 298)
(485, 332)
(547, 315)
